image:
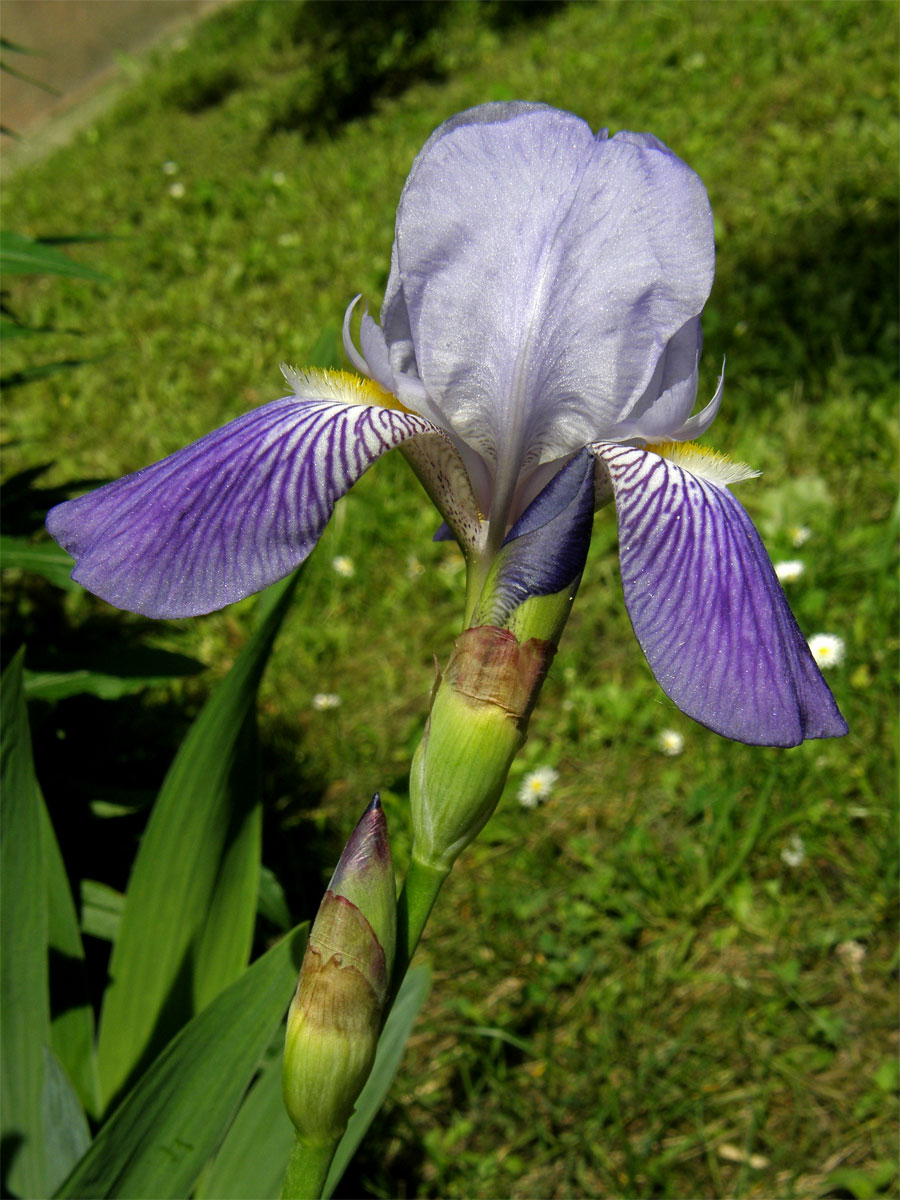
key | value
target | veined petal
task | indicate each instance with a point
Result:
(234, 512)
(542, 272)
(443, 475)
(705, 604)
(545, 550)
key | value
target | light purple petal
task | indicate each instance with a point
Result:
(669, 397)
(543, 271)
(229, 514)
(707, 609)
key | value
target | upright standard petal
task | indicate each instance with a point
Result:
(539, 273)
(234, 512)
(705, 604)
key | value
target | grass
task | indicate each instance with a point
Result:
(636, 994)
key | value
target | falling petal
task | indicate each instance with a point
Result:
(706, 607)
(230, 514)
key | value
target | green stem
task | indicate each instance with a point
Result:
(307, 1170)
(420, 890)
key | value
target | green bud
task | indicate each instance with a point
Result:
(478, 722)
(335, 1016)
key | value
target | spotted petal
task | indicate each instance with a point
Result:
(229, 514)
(706, 606)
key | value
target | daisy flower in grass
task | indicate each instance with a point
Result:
(828, 650)
(322, 701)
(794, 853)
(343, 566)
(799, 535)
(670, 742)
(537, 786)
(789, 571)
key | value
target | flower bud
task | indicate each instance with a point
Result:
(479, 715)
(477, 725)
(335, 1016)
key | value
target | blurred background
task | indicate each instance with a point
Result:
(674, 975)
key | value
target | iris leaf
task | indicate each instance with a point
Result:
(24, 991)
(67, 1135)
(190, 905)
(72, 1025)
(161, 1135)
(250, 1163)
(44, 558)
(21, 255)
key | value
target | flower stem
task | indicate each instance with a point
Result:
(420, 890)
(307, 1169)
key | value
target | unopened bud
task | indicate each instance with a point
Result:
(477, 725)
(335, 1017)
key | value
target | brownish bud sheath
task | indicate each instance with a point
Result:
(335, 1016)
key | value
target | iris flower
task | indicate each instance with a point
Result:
(544, 298)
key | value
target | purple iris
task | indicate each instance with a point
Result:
(544, 298)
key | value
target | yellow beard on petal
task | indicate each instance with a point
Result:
(701, 461)
(314, 383)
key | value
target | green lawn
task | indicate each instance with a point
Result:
(648, 986)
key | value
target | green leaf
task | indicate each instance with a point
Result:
(110, 676)
(21, 255)
(864, 1183)
(44, 558)
(24, 992)
(72, 1019)
(250, 1162)
(67, 1136)
(391, 1046)
(190, 905)
(272, 903)
(161, 1135)
(29, 374)
(101, 910)
(58, 685)
(11, 330)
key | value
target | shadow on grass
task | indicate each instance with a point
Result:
(101, 763)
(339, 60)
(823, 291)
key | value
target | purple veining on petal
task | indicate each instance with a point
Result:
(707, 608)
(230, 514)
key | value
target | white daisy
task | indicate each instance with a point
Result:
(851, 954)
(794, 852)
(537, 786)
(170, 168)
(789, 571)
(799, 535)
(670, 742)
(827, 649)
(176, 190)
(343, 565)
(325, 700)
